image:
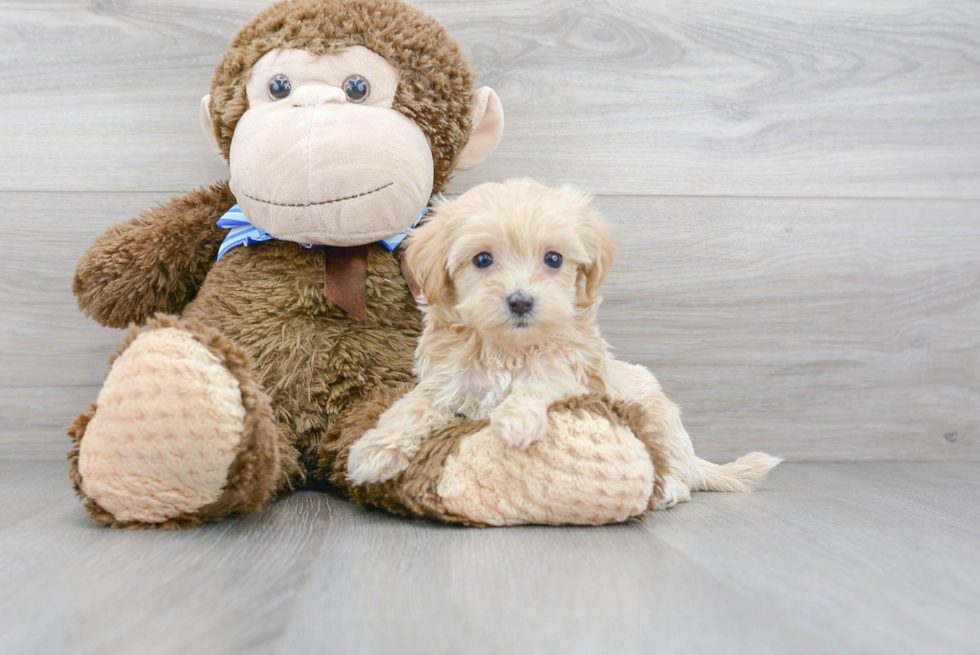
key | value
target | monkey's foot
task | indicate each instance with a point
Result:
(181, 432)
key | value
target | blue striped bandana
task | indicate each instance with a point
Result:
(243, 233)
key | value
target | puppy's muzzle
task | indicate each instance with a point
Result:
(520, 303)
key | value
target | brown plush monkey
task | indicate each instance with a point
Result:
(339, 119)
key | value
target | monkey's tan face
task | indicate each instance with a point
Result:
(321, 157)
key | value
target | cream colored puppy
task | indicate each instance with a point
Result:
(511, 273)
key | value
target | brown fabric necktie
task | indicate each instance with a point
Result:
(345, 279)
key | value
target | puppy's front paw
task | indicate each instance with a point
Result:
(379, 455)
(520, 428)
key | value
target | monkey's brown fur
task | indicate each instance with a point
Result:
(300, 360)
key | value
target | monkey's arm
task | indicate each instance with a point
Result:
(155, 262)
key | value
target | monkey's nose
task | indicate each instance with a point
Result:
(520, 303)
(314, 95)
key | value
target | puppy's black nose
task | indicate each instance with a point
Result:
(520, 303)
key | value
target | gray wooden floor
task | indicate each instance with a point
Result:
(827, 558)
(795, 187)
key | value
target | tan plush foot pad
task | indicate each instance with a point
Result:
(589, 470)
(596, 466)
(168, 426)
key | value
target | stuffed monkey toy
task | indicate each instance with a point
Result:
(269, 318)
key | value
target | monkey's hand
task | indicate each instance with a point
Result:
(153, 263)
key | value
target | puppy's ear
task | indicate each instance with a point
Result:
(601, 248)
(426, 257)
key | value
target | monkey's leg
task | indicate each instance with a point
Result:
(181, 433)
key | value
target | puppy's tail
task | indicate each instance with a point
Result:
(741, 475)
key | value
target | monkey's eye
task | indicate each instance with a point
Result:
(483, 260)
(357, 88)
(552, 259)
(280, 87)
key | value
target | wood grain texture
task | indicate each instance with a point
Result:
(220, 591)
(823, 329)
(813, 329)
(754, 98)
(826, 558)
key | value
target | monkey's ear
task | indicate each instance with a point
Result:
(207, 125)
(487, 115)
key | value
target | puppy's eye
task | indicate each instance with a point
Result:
(552, 259)
(483, 260)
(356, 88)
(280, 87)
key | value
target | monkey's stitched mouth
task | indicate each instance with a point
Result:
(314, 204)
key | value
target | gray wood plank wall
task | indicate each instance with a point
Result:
(795, 187)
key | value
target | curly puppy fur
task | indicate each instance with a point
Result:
(510, 274)
(436, 82)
